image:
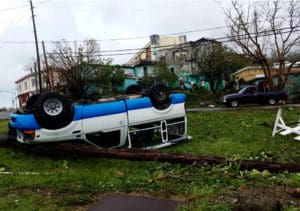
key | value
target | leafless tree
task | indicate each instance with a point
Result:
(265, 28)
(77, 65)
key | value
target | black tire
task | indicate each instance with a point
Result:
(53, 111)
(159, 96)
(30, 103)
(271, 101)
(133, 89)
(234, 103)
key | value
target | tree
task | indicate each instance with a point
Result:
(110, 76)
(80, 67)
(264, 29)
(161, 73)
(216, 62)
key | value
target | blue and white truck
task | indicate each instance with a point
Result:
(153, 120)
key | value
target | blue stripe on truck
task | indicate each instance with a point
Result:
(145, 102)
(178, 98)
(27, 121)
(24, 122)
(103, 109)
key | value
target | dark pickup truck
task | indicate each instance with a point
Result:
(251, 94)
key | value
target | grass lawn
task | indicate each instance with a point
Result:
(40, 182)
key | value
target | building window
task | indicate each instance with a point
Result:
(33, 82)
(145, 71)
(20, 88)
(179, 55)
(25, 85)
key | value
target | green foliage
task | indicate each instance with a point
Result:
(3, 126)
(42, 182)
(81, 69)
(109, 77)
(217, 62)
(161, 73)
(240, 134)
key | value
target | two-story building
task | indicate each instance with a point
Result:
(180, 56)
(28, 85)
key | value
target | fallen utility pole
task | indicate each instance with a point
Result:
(83, 150)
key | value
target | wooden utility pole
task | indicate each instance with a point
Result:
(84, 150)
(35, 77)
(46, 64)
(37, 48)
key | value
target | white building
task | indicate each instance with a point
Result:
(28, 85)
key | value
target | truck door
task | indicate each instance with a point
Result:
(105, 124)
(250, 95)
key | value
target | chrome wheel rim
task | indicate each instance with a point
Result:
(272, 101)
(53, 106)
(234, 103)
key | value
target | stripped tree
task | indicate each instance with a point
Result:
(268, 33)
(82, 71)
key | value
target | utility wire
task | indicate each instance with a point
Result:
(18, 7)
(125, 38)
(119, 39)
(11, 8)
(179, 46)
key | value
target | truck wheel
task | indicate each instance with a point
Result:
(53, 111)
(234, 103)
(271, 101)
(159, 96)
(30, 103)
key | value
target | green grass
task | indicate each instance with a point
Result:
(74, 184)
(241, 135)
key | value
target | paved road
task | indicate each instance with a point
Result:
(4, 114)
(240, 108)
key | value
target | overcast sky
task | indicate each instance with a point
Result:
(112, 22)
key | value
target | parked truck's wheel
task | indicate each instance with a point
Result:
(53, 111)
(234, 103)
(159, 96)
(271, 101)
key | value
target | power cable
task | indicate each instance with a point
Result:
(126, 38)
(11, 8)
(18, 7)
(181, 46)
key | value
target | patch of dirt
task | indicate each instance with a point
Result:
(245, 198)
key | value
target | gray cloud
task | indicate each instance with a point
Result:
(101, 20)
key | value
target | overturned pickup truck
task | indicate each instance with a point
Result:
(153, 120)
